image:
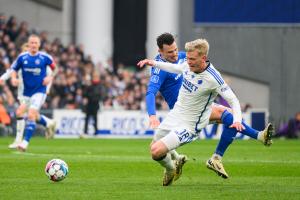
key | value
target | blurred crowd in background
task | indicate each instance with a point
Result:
(124, 88)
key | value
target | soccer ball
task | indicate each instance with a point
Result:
(56, 170)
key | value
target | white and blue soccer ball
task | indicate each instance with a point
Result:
(56, 170)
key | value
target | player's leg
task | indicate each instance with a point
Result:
(36, 102)
(228, 135)
(265, 136)
(86, 125)
(20, 112)
(48, 123)
(223, 114)
(95, 117)
(160, 151)
(178, 159)
(215, 162)
(29, 129)
(160, 154)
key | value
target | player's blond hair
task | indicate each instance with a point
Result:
(24, 47)
(34, 36)
(201, 45)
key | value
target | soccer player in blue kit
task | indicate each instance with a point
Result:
(33, 64)
(49, 124)
(168, 84)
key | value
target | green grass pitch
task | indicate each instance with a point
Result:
(123, 169)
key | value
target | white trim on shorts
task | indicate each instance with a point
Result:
(175, 138)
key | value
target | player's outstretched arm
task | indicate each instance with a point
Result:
(145, 62)
(169, 67)
(6, 75)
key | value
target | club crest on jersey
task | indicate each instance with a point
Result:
(25, 62)
(223, 89)
(37, 61)
(154, 79)
(200, 82)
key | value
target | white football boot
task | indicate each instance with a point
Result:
(168, 177)
(266, 135)
(179, 165)
(50, 129)
(14, 145)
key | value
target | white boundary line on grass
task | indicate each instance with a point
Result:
(143, 158)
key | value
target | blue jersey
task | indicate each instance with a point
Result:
(33, 71)
(168, 84)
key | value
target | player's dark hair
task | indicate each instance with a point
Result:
(165, 38)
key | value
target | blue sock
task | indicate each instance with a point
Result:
(42, 121)
(227, 119)
(226, 139)
(29, 130)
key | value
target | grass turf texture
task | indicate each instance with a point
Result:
(123, 169)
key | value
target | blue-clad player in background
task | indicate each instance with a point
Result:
(33, 64)
(168, 84)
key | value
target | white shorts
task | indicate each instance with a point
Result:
(35, 101)
(174, 138)
(173, 120)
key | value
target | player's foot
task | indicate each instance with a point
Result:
(179, 165)
(14, 145)
(50, 129)
(216, 165)
(168, 177)
(267, 134)
(22, 146)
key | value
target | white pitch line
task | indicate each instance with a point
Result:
(143, 158)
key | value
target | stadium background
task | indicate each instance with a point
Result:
(255, 44)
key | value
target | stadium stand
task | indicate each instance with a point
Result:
(125, 89)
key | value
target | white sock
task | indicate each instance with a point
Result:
(48, 120)
(174, 154)
(20, 130)
(167, 162)
(217, 156)
(260, 136)
(25, 143)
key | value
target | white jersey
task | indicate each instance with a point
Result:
(196, 95)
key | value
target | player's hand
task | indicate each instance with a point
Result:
(153, 122)
(238, 126)
(1, 82)
(15, 82)
(47, 80)
(144, 62)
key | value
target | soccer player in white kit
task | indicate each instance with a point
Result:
(201, 84)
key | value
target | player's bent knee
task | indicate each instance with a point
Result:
(217, 112)
(32, 115)
(158, 149)
(20, 112)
